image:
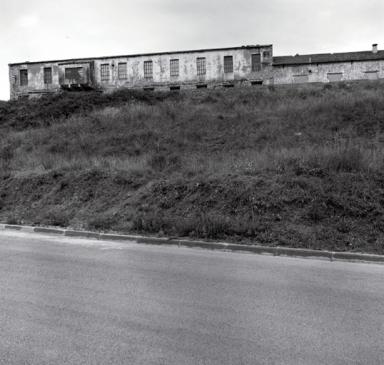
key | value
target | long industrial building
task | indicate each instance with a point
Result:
(204, 68)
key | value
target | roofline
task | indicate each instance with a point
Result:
(320, 62)
(144, 54)
(322, 54)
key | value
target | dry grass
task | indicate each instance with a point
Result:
(278, 165)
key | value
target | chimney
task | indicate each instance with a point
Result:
(374, 48)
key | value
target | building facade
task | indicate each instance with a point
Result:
(221, 67)
(163, 71)
(329, 67)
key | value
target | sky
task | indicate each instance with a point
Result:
(34, 30)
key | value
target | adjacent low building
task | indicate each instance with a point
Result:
(219, 67)
(329, 67)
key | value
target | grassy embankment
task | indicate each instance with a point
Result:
(274, 166)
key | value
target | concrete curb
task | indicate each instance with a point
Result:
(221, 246)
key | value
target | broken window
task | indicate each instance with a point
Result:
(104, 72)
(47, 75)
(23, 77)
(200, 66)
(74, 75)
(122, 71)
(256, 62)
(174, 67)
(228, 64)
(148, 70)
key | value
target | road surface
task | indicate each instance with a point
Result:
(78, 301)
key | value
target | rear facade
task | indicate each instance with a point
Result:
(224, 67)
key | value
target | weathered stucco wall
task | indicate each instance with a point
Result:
(242, 69)
(188, 77)
(87, 73)
(35, 79)
(328, 72)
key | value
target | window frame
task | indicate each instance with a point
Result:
(105, 72)
(23, 77)
(228, 66)
(122, 71)
(47, 72)
(266, 54)
(148, 69)
(174, 67)
(255, 66)
(201, 66)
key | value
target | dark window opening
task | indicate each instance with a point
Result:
(201, 86)
(228, 85)
(148, 88)
(23, 77)
(74, 75)
(256, 62)
(228, 64)
(148, 70)
(104, 72)
(174, 68)
(266, 54)
(176, 87)
(47, 75)
(122, 71)
(257, 82)
(201, 66)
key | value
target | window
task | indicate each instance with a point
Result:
(104, 72)
(74, 75)
(47, 75)
(266, 54)
(371, 75)
(174, 68)
(122, 71)
(23, 77)
(256, 82)
(334, 76)
(256, 62)
(200, 66)
(228, 64)
(300, 79)
(148, 70)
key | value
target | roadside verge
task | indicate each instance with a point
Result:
(222, 246)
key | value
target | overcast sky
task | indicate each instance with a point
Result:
(52, 29)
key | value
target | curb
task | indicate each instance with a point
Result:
(220, 246)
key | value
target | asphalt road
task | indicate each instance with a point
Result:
(77, 301)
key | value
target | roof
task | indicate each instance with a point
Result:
(146, 54)
(327, 58)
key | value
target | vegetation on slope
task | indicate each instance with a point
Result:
(301, 167)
